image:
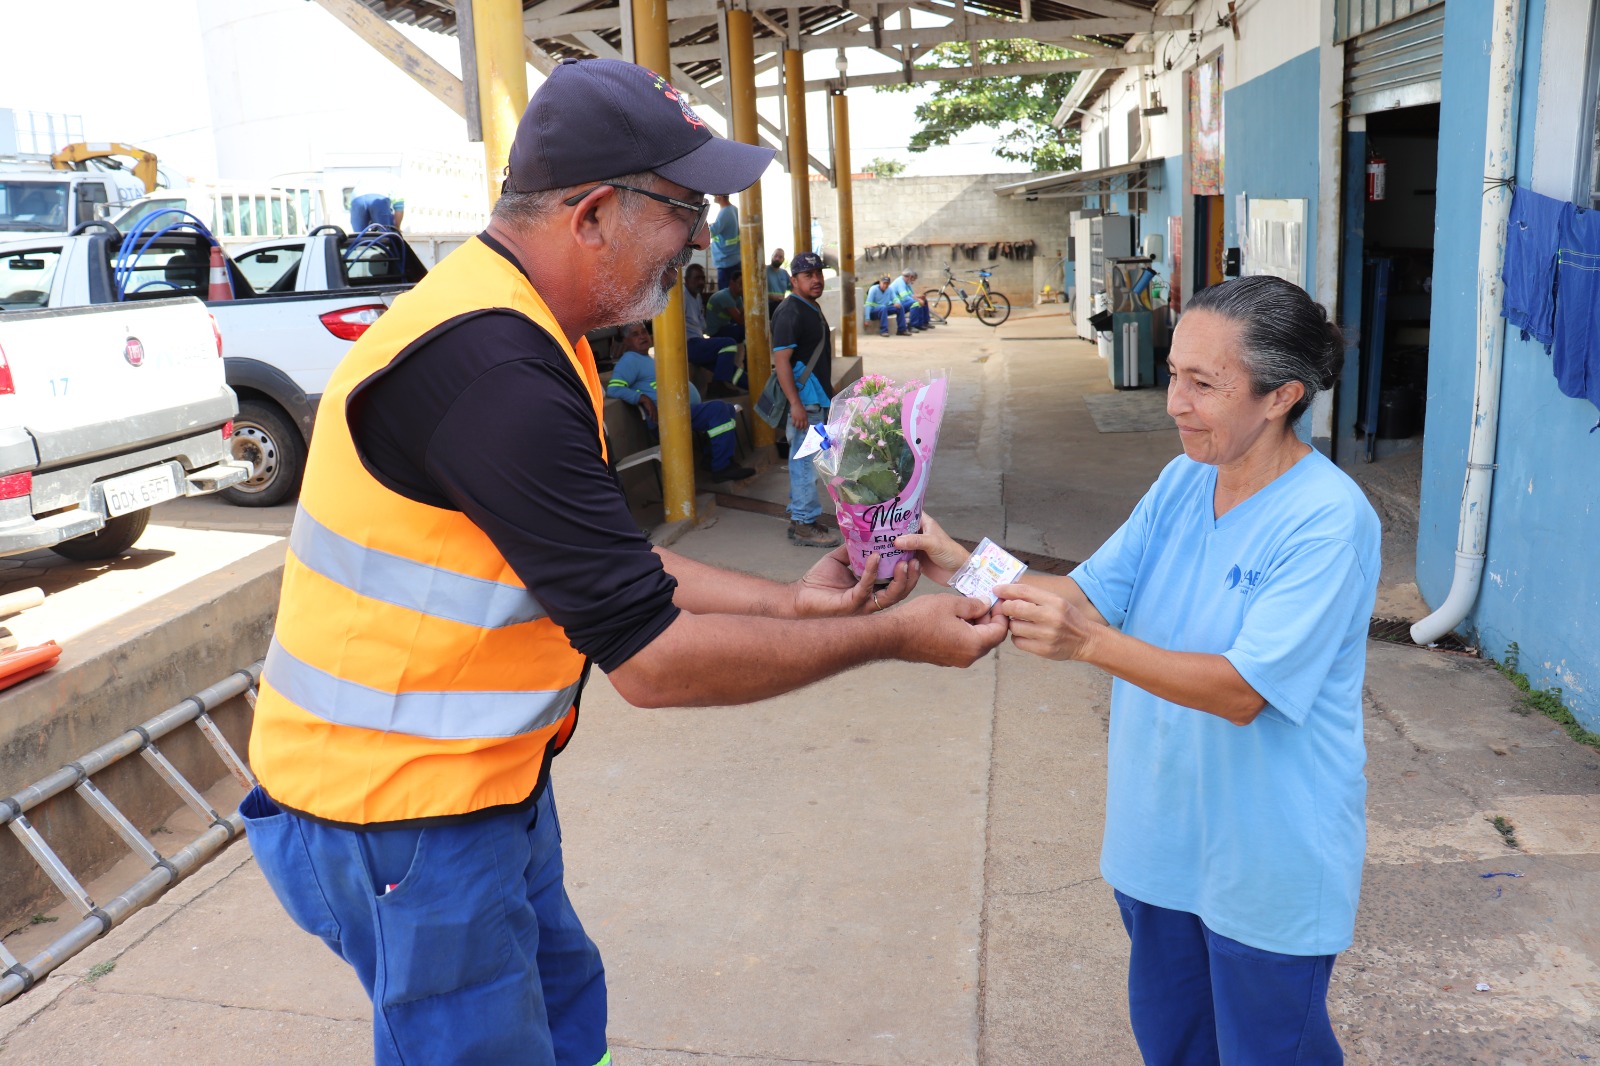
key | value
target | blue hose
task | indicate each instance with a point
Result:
(128, 255)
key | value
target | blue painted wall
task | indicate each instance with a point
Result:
(1159, 206)
(1270, 144)
(1541, 586)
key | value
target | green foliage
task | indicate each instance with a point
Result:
(42, 919)
(100, 969)
(1507, 831)
(1547, 702)
(884, 168)
(1022, 105)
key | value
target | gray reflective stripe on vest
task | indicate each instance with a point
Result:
(377, 575)
(437, 715)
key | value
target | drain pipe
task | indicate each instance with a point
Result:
(1500, 166)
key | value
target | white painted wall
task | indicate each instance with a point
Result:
(1271, 33)
(1558, 128)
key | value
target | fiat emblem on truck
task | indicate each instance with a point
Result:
(134, 352)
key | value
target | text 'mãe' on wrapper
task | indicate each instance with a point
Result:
(990, 565)
(875, 454)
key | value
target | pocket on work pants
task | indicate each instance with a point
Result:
(277, 840)
(442, 927)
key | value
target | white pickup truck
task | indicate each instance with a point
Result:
(279, 349)
(105, 412)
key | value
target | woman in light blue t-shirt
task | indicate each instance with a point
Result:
(1231, 609)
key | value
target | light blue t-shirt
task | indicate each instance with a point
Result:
(725, 237)
(1261, 829)
(901, 293)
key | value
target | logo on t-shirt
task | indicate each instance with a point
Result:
(1243, 580)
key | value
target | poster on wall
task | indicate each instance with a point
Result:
(1175, 242)
(1275, 239)
(1205, 128)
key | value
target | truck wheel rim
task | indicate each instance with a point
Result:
(253, 445)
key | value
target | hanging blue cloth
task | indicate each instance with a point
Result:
(1533, 236)
(1575, 356)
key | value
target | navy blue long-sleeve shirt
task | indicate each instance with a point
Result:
(488, 417)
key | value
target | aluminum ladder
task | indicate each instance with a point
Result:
(165, 871)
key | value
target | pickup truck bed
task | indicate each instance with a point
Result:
(279, 350)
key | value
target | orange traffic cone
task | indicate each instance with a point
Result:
(221, 287)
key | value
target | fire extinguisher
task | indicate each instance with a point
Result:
(1377, 177)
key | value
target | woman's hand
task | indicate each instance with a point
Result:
(829, 589)
(941, 556)
(1045, 624)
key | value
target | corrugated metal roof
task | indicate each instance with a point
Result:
(771, 25)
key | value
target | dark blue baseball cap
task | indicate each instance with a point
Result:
(805, 261)
(594, 119)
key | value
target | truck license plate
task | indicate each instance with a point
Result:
(140, 489)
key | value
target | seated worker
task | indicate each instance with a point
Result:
(881, 304)
(694, 300)
(725, 309)
(904, 293)
(721, 355)
(778, 284)
(633, 380)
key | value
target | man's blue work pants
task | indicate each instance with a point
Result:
(461, 934)
(715, 419)
(805, 503)
(918, 316)
(881, 316)
(720, 354)
(1198, 998)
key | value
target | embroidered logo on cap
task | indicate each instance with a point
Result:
(672, 94)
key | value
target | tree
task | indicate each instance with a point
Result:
(884, 168)
(1021, 105)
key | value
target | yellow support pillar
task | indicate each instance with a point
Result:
(502, 81)
(651, 49)
(742, 93)
(847, 224)
(794, 95)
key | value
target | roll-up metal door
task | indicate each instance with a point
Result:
(1396, 65)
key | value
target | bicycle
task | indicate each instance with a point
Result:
(989, 307)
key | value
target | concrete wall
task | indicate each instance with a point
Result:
(933, 213)
(1541, 586)
(115, 677)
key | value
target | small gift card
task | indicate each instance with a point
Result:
(989, 566)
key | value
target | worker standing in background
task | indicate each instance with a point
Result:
(725, 240)
(374, 205)
(443, 601)
(778, 284)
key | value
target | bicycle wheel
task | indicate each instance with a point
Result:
(938, 304)
(993, 308)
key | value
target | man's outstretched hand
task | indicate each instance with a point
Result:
(830, 590)
(948, 630)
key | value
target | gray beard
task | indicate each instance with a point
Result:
(619, 306)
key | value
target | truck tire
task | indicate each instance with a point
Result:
(264, 437)
(109, 541)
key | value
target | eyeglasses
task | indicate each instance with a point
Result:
(699, 209)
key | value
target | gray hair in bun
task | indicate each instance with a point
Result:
(1287, 335)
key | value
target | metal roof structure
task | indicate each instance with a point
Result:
(1097, 29)
(1105, 35)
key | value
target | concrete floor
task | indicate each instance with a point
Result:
(900, 866)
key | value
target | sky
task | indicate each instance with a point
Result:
(135, 78)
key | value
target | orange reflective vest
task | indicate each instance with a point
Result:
(411, 674)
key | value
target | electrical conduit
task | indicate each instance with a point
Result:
(1500, 168)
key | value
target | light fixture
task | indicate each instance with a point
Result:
(840, 62)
